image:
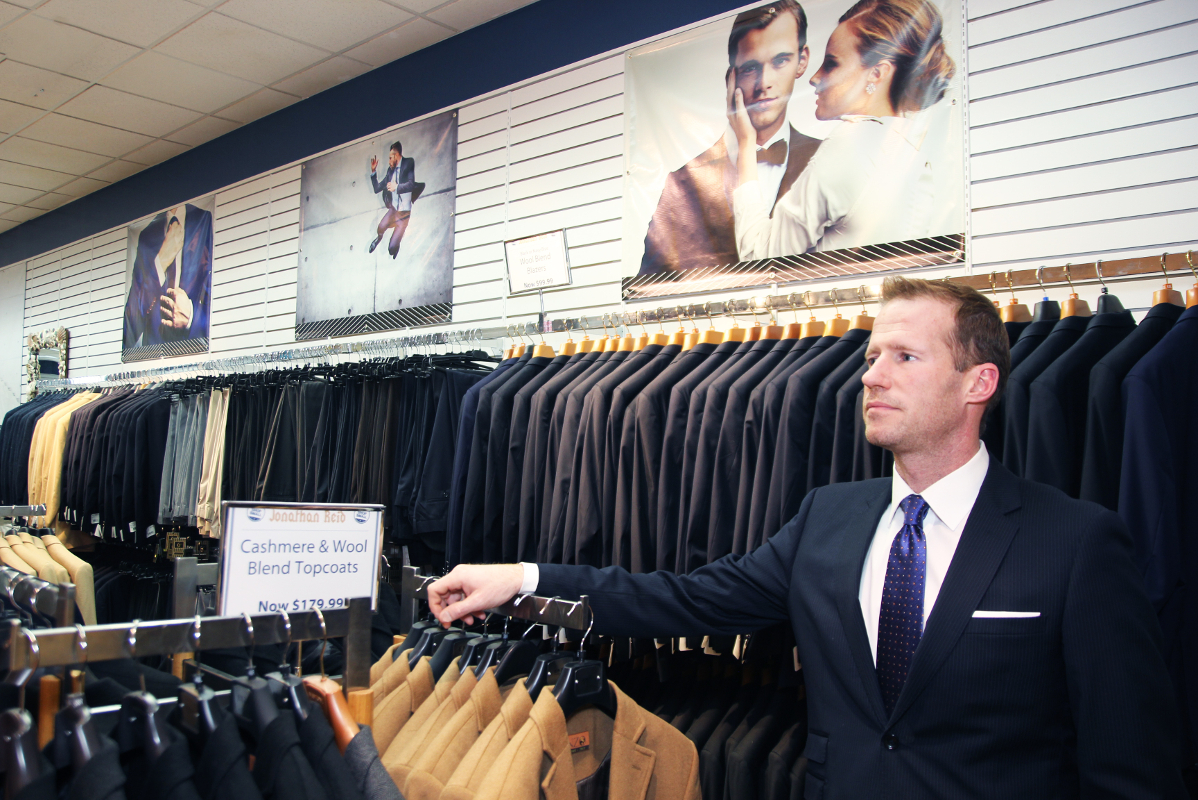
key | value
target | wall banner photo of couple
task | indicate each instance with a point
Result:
(792, 135)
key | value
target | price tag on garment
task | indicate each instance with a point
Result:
(537, 262)
(295, 557)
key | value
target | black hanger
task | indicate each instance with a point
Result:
(19, 754)
(199, 713)
(446, 649)
(76, 739)
(544, 667)
(413, 636)
(426, 645)
(251, 699)
(584, 683)
(474, 650)
(139, 728)
(518, 660)
(1107, 302)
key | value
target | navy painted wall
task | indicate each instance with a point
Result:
(530, 41)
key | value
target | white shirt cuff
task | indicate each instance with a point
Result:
(532, 577)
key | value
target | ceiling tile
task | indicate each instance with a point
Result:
(115, 171)
(407, 38)
(5, 207)
(17, 194)
(156, 152)
(331, 24)
(465, 14)
(258, 105)
(324, 75)
(120, 109)
(14, 116)
(49, 156)
(180, 83)
(36, 87)
(9, 12)
(52, 45)
(31, 177)
(50, 201)
(82, 186)
(233, 47)
(22, 213)
(205, 130)
(7, 225)
(83, 135)
(138, 22)
(25, 3)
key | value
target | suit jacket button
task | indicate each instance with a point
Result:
(890, 741)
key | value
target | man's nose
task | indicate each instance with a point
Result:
(873, 377)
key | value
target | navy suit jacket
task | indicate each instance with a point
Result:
(404, 175)
(1073, 703)
(143, 312)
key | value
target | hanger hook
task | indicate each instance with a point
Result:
(1011, 286)
(286, 646)
(861, 297)
(586, 634)
(1098, 272)
(552, 600)
(131, 639)
(324, 636)
(1190, 261)
(1163, 257)
(707, 311)
(81, 643)
(1040, 280)
(249, 629)
(993, 290)
(832, 294)
(24, 675)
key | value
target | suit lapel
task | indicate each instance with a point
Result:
(984, 543)
(856, 538)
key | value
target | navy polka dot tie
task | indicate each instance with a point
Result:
(900, 625)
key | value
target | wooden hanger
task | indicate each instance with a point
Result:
(862, 321)
(771, 331)
(1073, 307)
(1192, 294)
(811, 327)
(753, 332)
(793, 329)
(628, 342)
(661, 337)
(1014, 311)
(838, 326)
(736, 333)
(711, 335)
(678, 337)
(1167, 294)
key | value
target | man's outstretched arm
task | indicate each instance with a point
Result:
(736, 594)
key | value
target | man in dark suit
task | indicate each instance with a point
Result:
(399, 189)
(692, 226)
(963, 632)
(172, 279)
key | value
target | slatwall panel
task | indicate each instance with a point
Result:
(1083, 129)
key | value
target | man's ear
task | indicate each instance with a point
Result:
(804, 61)
(983, 383)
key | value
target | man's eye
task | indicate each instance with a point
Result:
(907, 357)
(781, 61)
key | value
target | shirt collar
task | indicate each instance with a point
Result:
(783, 135)
(952, 497)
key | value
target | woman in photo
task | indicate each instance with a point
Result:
(874, 179)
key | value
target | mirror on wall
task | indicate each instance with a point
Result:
(48, 356)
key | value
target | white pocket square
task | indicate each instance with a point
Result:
(979, 614)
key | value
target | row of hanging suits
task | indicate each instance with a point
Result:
(657, 452)
(1103, 409)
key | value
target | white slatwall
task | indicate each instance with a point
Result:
(1083, 127)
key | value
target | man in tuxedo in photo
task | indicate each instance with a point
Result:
(963, 632)
(693, 224)
(399, 189)
(172, 279)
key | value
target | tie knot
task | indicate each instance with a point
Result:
(915, 508)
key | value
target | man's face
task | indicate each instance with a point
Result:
(768, 62)
(914, 397)
(392, 158)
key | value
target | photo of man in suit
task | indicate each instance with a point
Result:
(399, 189)
(171, 278)
(963, 632)
(693, 225)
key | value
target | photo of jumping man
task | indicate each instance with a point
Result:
(399, 189)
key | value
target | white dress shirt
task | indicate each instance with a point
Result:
(769, 176)
(949, 500)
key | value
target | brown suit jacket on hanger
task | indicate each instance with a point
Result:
(397, 708)
(408, 736)
(468, 776)
(400, 757)
(382, 665)
(448, 746)
(650, 760)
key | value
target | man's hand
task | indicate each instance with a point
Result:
(391, 186)
(472, 588)
(177, 309)
(374, 163)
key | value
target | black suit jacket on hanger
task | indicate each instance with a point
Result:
(1057, 414)
(992, 707)
(1103, 458)
(1030, 337)
(1017, 397)
(844, 436)
(635, 532)
(823, 424)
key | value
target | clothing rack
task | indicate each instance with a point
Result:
(27, 649)
(190, 575)
(572, 614)
(11, 512)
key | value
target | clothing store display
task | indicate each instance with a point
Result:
(429, 715)
(394, 711)
(280, 768)
(169, 776)
(222, 770)
(467, 779)
(102, 778)
(369, 775)
(316, 739)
